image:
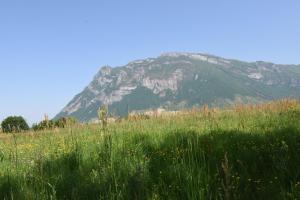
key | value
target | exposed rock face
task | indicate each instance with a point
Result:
(73, 107)
(256, 76)
(159, 85)
(177, 80)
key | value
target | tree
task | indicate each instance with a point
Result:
(14, 124)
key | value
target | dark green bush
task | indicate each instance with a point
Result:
(50, 124)
(43, 125)
(65, 121)
(14, 124)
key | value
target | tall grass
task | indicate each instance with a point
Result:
(242, 152)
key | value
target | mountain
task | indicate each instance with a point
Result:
(180, 80)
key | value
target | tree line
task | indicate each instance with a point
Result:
(16, 124)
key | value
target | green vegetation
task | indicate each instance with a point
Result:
(243, 152)
(102, 116)
(14, 124)
(47, 124)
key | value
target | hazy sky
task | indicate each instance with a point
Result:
(51, 49)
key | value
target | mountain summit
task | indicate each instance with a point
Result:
(182, 80)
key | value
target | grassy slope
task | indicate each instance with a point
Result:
(240, 153)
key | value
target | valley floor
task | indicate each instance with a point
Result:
(242, 152)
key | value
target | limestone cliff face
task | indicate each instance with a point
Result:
(177, 80)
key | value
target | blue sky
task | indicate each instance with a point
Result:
(51, 49)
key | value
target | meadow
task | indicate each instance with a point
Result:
(239, 152)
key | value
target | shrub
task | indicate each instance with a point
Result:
(43, 125)
(65, 121)
(14, 124)
(50, 124)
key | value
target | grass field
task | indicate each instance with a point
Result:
(243, 152)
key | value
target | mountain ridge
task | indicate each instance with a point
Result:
(177, 80)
